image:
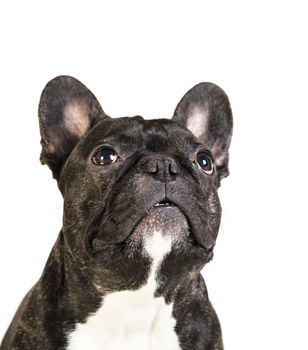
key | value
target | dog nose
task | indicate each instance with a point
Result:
(161, 168)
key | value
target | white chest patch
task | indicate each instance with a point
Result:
(131, 320)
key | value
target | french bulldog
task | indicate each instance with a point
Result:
(141, 216)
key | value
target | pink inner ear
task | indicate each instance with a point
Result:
(76, 119)
(197, 122)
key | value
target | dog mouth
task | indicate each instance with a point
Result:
(164, 204)
(172, 221)
(164, 217)
(167, 216)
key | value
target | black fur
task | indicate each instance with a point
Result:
(106, 208)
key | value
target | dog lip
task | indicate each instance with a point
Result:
(194, 235)
(167, 203)
(164, 203)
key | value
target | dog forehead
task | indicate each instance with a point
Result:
(151, 134)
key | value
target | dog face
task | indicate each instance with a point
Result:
(124, 180)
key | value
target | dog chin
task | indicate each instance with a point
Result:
(164, 218)
(168, 220)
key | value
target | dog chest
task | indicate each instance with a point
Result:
(128, 320)
(131, 320)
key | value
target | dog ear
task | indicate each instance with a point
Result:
(67, 111)
(205, 110)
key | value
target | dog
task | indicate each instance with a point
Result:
(141, 216)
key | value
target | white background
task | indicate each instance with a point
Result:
(140, 57)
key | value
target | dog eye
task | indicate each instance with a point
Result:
(205, 162)
(105, 156)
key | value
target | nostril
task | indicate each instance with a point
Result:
(163, 169)
(152, 167)
(173, 169)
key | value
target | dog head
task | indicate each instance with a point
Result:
(125, 179)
